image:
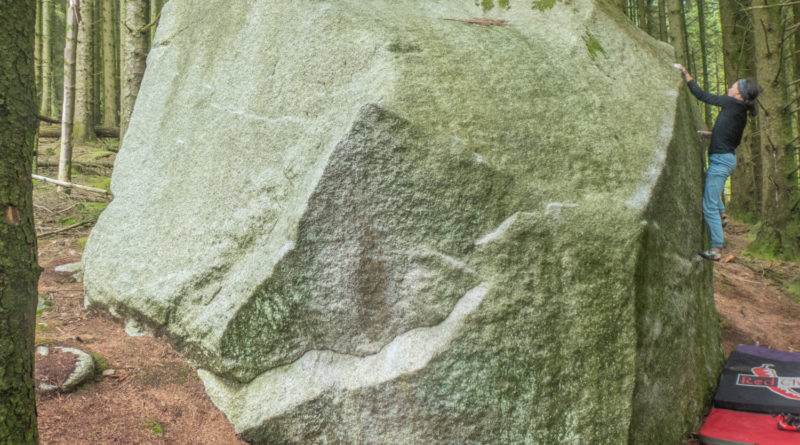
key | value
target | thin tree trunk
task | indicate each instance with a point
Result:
(701, 21)
(134, 55)
(623, 6)
(677, 28)
(68, 110)
(652, 23)
(97, 61)
(641, 14)
(83, 123)
(19, 271)
(737, 55)
(662, 21)
(779, 189)
(37, 55)
(110, 92)
(45, 106)
(796, 71)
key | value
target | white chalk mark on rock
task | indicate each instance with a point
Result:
(499, 231)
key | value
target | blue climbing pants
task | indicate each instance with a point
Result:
(720, 166)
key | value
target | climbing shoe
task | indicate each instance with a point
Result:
(710, 254)
(788, 422)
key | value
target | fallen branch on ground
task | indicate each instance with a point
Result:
(49, 119)
(53, 232)
(101, 132)
(70, 184)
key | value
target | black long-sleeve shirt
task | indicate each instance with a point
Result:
(730, 123)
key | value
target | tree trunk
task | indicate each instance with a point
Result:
(662, 21)
(701, 21)
(47, 51)
(779, 189)
(37, 54)
(641, 14)
(19, 271)
(84, 108)
(97, 62)
(796, 72)
(677, 28)
(652, 23)
(110, 92)
(68, 110)
(737, 55)
(134, 55)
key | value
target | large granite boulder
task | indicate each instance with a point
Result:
(407, 221)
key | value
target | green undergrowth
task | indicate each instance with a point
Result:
(46, 305)
(154, 425)
(100, 362)
(793, 289)
(774, 246)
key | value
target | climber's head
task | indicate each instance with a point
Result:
(747, 91)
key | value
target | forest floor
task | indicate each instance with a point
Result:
(154, 395)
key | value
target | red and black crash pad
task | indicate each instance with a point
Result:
(726, 427)
(760, 380)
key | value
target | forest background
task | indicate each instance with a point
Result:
(89, 56)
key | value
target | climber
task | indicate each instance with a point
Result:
(725, 137)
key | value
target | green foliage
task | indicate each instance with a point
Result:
(90, 211)
(770, 245)
(82, 241)
(154, 425)
(101, 154)
(46, 306)
(101, 182)
(794, 289)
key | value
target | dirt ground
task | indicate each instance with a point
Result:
(154, 395)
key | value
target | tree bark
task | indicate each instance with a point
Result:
(37, 55)
(701, 22)
(65, 159)
(84, 70)
(19, 271)
(97, 62)
(134, 55)
(737, 55)
(662, 21)
(641, 14)
(677, 30)
(779, 189)
(110, 92)
(47, 51)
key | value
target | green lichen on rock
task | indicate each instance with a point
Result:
(593, 46)
(429, 231)
(544, 5)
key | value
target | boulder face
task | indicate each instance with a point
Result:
(417, 221)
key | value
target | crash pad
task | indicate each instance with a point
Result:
(759, 383)
(727, 427)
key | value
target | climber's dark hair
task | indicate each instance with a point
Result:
(749, 90)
